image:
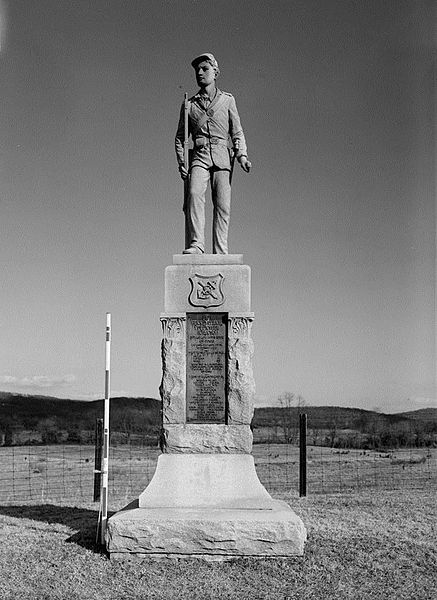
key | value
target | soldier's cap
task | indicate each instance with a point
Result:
(206, 56)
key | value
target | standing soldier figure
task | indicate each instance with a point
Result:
(212, 121)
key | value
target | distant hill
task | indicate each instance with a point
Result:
(45, 419)
(422, 414)
(51, 419)
(324, 417)
(337, 426)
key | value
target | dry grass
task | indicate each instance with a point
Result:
(361, 546)
(368, 543)
(45, 473)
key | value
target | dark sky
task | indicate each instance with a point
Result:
(337, 218)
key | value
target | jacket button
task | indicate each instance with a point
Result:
(210, 112)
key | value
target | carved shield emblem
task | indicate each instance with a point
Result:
(206, 290)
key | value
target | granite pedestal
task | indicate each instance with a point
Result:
(205, 498)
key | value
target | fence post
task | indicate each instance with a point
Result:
(98, 459)
(302, 454)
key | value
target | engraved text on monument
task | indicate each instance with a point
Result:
(206, 367)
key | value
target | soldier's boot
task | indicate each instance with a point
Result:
(193, 250)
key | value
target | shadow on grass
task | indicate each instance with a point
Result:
(83, 520)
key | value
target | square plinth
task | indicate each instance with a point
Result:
(212, 287)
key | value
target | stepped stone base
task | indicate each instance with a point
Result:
(205, 500)
(205, 532)
(210, 506)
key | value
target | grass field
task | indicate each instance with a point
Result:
(360, 546)
(48, 473)
(374, 540)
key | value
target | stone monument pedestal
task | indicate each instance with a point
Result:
(210, 506)
(205, 499)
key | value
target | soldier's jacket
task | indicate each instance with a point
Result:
(214, 131)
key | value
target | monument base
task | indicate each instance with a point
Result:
(206, 506)
(225, 533)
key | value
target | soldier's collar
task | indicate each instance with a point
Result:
(200, 95)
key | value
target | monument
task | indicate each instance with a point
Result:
(205, 499)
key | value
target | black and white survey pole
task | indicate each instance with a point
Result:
(105, 454)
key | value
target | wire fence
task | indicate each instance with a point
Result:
(66, 472)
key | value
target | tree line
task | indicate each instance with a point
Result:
(41, 420)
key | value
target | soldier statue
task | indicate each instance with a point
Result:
(211, 118)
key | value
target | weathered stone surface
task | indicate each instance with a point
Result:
(241, 383)
(214, 481)
(206, 438)
(172, 388)
(277, 531)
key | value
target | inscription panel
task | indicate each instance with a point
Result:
(206, 367)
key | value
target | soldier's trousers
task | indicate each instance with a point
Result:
(195, 208)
